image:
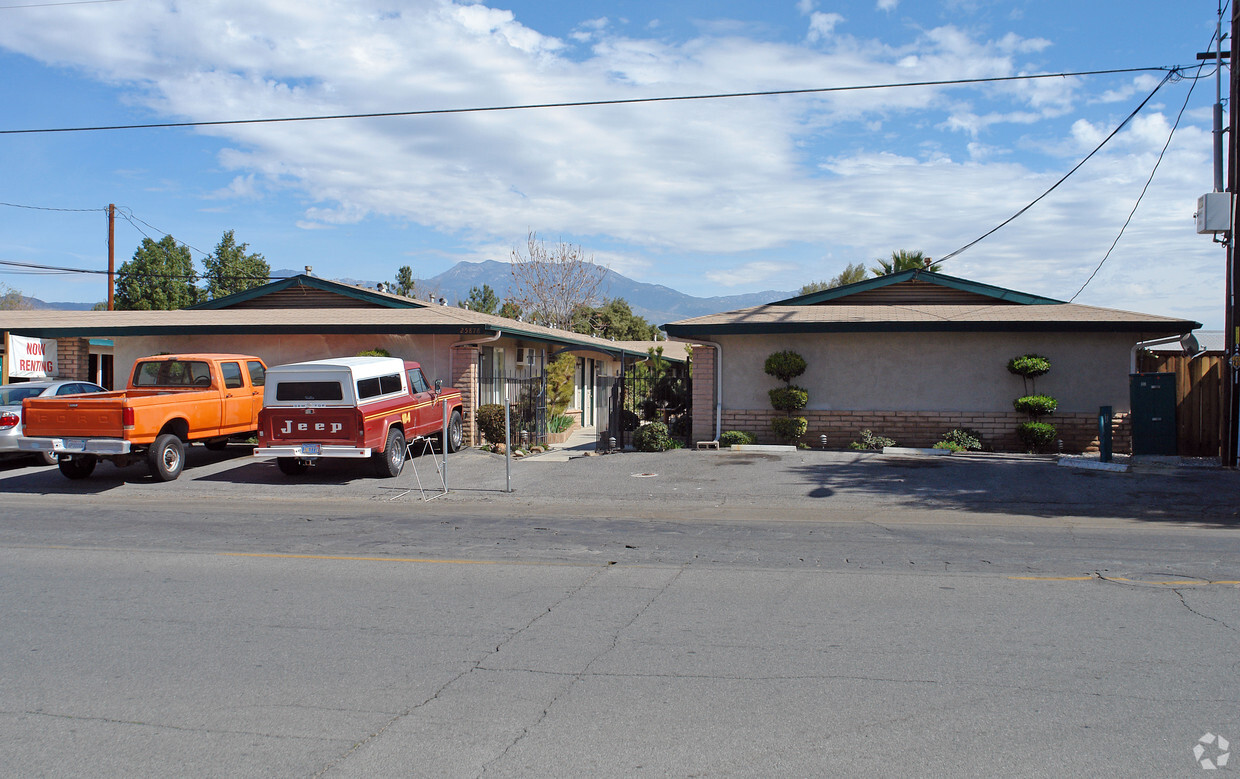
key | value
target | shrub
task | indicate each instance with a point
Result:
(1029, 366)
(628, 420)
(960, 439)
(789, 428)
(490, 419)
(734, 437)
(790, 398)
(558, 424)
(1036, 405)
(1035, 435)
(681, 427)
(652, 438)
(374, 353)
(871, 441)
(785, 366)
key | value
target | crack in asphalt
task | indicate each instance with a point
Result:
(1184, 603)
(474, 666)
(583, 673)
(161, 726)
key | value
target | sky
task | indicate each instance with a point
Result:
(709, 197)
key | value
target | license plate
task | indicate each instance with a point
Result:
(74, 444)
(312, 449)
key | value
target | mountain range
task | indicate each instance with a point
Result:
(656, 303)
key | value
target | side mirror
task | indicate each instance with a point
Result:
(438, 386)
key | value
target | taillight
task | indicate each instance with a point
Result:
(9, 419)
(127, 417)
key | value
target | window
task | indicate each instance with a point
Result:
(232, 374)
(172, 373)
(417, 382)
(382, 385)
(258, 374)
(309, 390)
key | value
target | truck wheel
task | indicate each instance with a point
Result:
(455, 433)
(46, 458)
(78, 467)
(290, 466)
(166, 457)
(391, 461)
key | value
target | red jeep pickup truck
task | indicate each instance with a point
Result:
(355, 407)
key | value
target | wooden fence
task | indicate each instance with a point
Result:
(1198, 396)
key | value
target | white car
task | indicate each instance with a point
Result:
(11, 397)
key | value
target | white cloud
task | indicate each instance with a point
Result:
(887, 5)
(751, 273)
(821, 25)
(854, 174)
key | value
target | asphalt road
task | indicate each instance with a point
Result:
(662, 615)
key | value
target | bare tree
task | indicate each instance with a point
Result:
(550, 282)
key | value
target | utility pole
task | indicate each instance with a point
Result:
(1231, 362)
(111, 254)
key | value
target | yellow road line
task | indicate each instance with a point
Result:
(1051, 578)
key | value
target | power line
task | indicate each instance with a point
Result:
(589, 103)
(42, 208)
(1065, 176)
(63, 2)
(1144, 189)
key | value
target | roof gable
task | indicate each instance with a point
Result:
(916, 287)
(304, 291)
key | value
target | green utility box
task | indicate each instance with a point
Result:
(1153, 413)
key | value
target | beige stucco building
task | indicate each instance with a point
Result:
(915, 354)
(307, 318)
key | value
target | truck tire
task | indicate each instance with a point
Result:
(47, 458)
(456, 435)
(290, 466)
(166, 457)
(78, 467)
(391, 461)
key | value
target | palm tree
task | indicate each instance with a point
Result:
(904, 260)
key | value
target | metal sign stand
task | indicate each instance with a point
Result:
(441, 468)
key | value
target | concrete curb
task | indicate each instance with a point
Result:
(914, 450)
(1093, 465)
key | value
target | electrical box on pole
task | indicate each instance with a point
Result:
(1214, 213)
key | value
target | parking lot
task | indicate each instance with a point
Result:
(688, 483)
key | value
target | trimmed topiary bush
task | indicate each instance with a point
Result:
(789, 428)
(789, 399)
(1035, 435)
(735, 437)
(652, 438)
(785, 366)
(1036, 405)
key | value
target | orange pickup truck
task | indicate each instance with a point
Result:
(172, 400)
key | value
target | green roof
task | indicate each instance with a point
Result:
(361, 294)
(918, 274)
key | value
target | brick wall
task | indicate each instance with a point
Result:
(73, 358)
(1078, 431)
(465, 378)
(704, 393)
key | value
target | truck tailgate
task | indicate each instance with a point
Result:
(301, 425)
(87, 416)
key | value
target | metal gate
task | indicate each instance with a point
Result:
(625, 402)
